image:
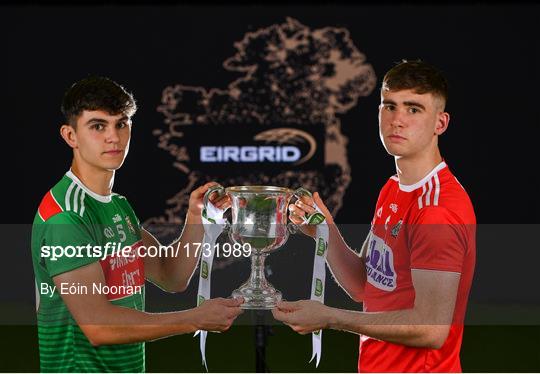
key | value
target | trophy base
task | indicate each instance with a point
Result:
(258, 298)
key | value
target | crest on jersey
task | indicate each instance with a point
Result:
(130, 225)
(396, 228)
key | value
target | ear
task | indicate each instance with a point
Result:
(69, 135)
(443, 120)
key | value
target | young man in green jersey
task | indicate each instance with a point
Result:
(90, 304)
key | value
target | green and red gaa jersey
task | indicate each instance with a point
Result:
(429, 225)
(72, 215)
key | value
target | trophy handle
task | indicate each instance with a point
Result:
(299, 192)
(206, 199)
(313, 219)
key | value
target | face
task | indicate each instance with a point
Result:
(100, 140)
(409, 123)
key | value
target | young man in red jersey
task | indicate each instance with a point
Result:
(91, 309)
(415, 269)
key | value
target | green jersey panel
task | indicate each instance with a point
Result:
(75, 227)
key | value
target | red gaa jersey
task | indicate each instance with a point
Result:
(428, 225)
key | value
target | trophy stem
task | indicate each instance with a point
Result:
(257, 277)
(257, 292)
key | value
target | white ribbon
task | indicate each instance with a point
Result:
(319, 274)
(213, 223)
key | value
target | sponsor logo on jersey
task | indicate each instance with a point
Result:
(109, 233)
(380, 265)
(126, 271)
(116, 260)
(393, 207)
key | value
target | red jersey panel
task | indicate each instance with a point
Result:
(429, 225)
(123, 270)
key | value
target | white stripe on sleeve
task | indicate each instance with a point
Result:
(75, 199)
(420, 198)
(430, 184)
(83, 195)
(68, 196)
(437, 190)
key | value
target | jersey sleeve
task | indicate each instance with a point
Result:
(438, 240)
(64, 236)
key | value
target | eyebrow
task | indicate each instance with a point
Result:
(101, 120)
(406, 103)
(414, 103)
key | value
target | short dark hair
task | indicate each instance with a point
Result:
(96, 93)
(418, 76)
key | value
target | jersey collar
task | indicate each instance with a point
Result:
(420, 183)
(98, 197)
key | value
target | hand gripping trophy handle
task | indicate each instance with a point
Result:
(313, 219)
(205, 212)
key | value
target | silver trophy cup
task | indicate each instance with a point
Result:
(259, 219)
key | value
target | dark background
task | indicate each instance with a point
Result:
(490, 56)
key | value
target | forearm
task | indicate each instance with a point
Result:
(119, 325)
(185, 263)
(346, 266)
(175, 270)
(406, 327)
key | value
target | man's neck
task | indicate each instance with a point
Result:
(413, 170)
(97, 181)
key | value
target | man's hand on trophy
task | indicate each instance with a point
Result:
(218, 314)
(196, 200)
(303, 316)
(304, 207)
